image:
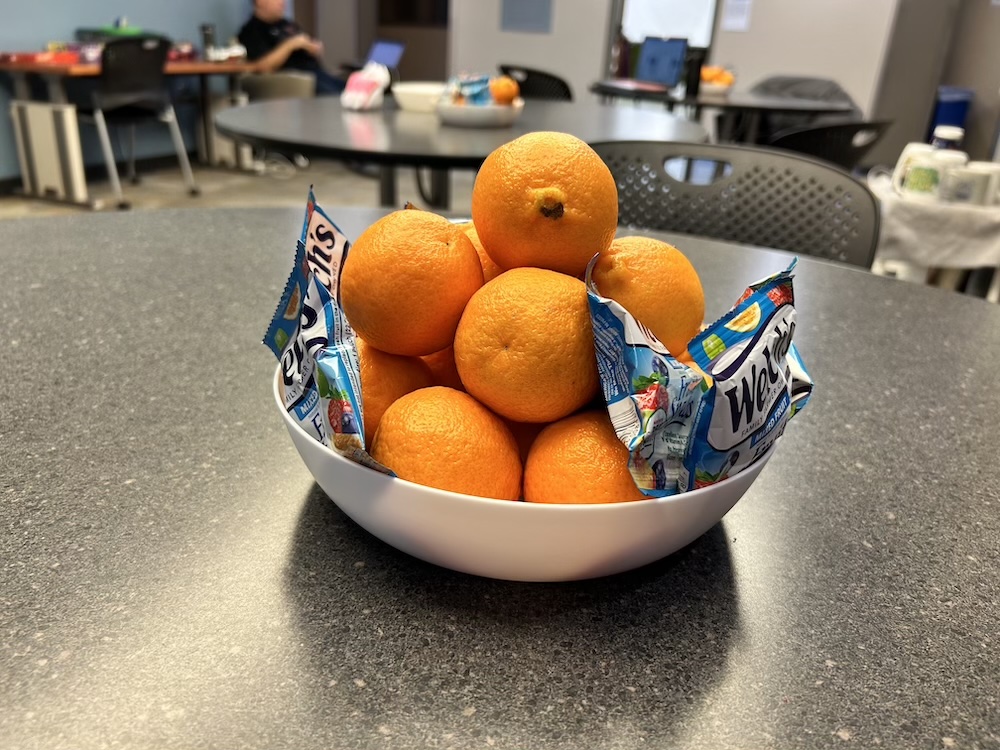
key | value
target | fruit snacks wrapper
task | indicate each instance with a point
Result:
(755, 382)
(315, 345)
(470, 89)
(651, 397)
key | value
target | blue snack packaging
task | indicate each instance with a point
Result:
(314, 343)
(748, 358)
(651, 397)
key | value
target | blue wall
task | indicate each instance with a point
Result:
(30, 25)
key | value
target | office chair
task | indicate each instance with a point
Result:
(800, 87)
(844, 144)
(281, 84)
(754, 196)
(536, 84)
(132, 88)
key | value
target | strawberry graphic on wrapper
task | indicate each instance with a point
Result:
(651, 392)
(781, 294)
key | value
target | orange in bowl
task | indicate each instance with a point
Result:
(512, 540)
(406, 281)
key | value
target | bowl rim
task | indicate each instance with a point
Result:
(414, 86)
(517, 103)
(646, 502)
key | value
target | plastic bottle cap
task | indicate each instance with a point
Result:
(949, 132)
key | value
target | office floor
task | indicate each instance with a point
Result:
(278, 186)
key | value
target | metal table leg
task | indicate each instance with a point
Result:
(21, 89)
(753, 127)
(440, 196)
(205, 104)
(57, 89)
(387, 187)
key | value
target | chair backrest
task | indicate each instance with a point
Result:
(132, 72)
(280, 85)
(844, 144)
(536, 84)
(750, 195)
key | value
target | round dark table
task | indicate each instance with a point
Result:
(390, 137)
(171, 576)
(734, 101)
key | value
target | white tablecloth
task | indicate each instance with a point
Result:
(943, 235)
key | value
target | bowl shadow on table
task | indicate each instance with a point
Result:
(638, 649)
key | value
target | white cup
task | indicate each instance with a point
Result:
(911, 152)
(974, 183)
(926, 172)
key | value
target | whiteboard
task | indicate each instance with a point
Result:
(687, 19)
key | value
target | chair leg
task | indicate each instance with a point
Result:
(109, 158)
(175, 132)
(132, 176)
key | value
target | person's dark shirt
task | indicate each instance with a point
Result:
(260, 38)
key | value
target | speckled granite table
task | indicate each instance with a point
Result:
(170, 576)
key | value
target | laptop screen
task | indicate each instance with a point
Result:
(386, 53)
(661, 61)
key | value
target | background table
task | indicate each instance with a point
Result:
(170, 575)
(55, 76)
(730, 103)
(391, 137)
(949, 237)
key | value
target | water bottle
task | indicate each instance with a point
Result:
(948, 137)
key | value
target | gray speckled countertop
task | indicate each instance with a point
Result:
(171, 577)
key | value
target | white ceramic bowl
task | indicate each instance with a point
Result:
(714, 89)
(513, 540)
(417, 96)
(479, 115)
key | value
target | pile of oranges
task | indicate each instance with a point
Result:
(478, 369)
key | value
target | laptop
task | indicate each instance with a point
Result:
(386, 52)
(661, 61)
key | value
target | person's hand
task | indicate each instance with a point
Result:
(314, 47)
(300, 41)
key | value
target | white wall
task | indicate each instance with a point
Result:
(573, 51)
(337, 28)
(843, 40)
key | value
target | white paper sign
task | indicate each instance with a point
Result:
(736, 15)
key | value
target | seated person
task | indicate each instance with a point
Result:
(277, 43)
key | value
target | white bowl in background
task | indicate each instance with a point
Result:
(417, 96)
(714, 89)
(479, 115)
(515, 540)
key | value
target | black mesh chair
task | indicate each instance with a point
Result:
(750, 195)
(131, 89)
(536, 84)
(844, 144)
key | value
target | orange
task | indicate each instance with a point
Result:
(545, 200)
(443, 370)
(504, 89)
(657, 284)
(406, 280)
(446, 439)
(525, 346)
(579, 460)
(490, 269)
(384, 378)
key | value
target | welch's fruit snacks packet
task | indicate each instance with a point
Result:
(688, 427)
(315, 345)
(651, 397)
(756, 382)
